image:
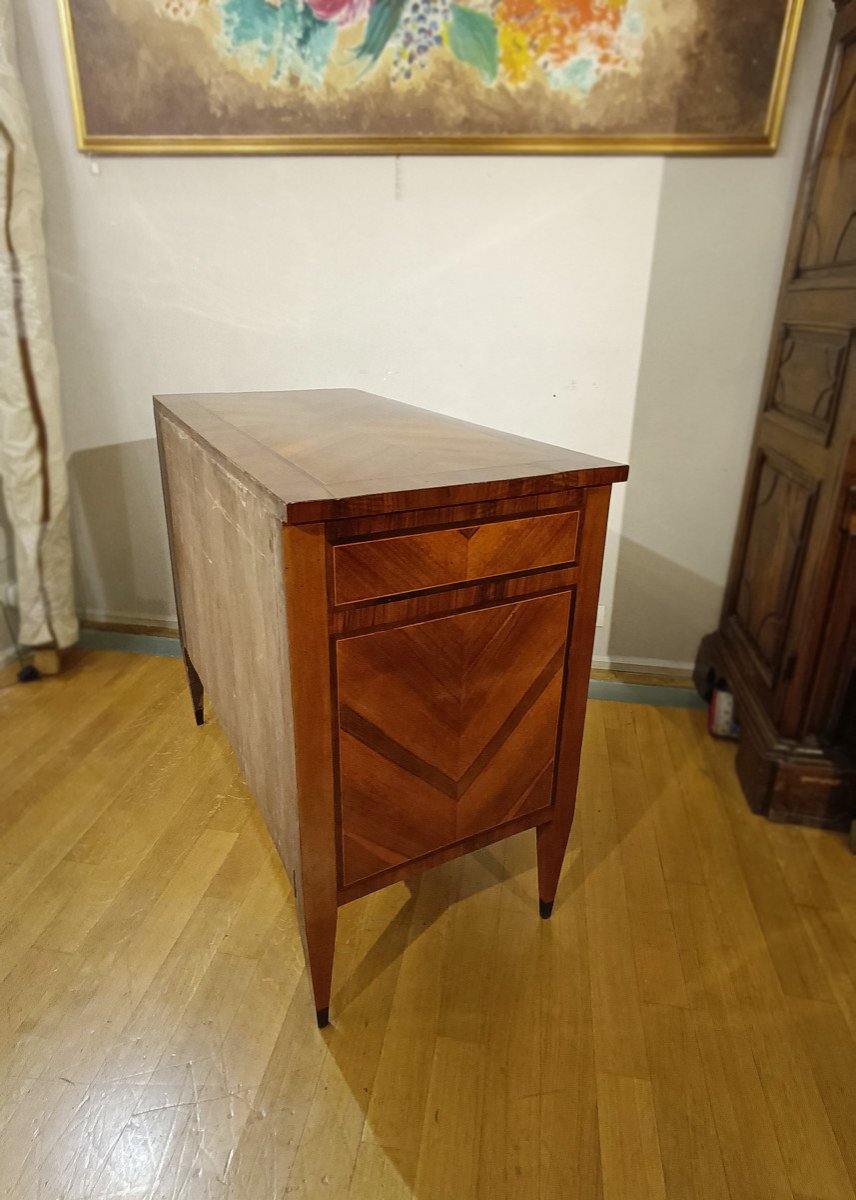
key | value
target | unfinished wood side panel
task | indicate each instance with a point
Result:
(228, 567)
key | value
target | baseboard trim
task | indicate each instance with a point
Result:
(162, 646)
(143, 624)
(657, 694)
(674, 668)
(96, 618)
(165, 646)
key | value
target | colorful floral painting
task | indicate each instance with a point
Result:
(415, 75)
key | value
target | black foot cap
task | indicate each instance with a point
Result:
(200, 716)
(545, 907)
(28, 674)
(323, 1017)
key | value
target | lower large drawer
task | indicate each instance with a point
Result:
(447, 728)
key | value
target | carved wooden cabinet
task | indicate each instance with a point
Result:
(786, 640)
(393, 614)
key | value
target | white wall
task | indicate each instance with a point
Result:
(506, 291)
(509, 291)
(722, 231)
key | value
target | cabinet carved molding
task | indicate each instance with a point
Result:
(785, 644)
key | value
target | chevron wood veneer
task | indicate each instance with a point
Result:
(447, 728)
(393, 614)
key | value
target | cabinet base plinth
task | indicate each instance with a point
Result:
(785, 780)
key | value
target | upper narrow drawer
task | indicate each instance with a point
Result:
(413, 562)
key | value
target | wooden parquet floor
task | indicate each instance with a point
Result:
(685, 1026)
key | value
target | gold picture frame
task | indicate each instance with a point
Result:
(95, 138)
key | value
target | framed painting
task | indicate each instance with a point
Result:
(428, 76)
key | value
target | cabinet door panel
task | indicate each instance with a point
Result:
(447, 728)
(779, 522)
(829, 235)
(807, 385)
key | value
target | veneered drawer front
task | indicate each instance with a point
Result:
(414, 562)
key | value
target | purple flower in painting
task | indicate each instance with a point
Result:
(344, 12)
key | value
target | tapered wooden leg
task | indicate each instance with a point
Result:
(197, 691)
(553, 837)
(318, 930)
(552, 841)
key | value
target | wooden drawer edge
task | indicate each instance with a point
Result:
(409, 562)
(354, 528)
(424, 605)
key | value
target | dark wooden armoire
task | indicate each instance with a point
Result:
(786, 644)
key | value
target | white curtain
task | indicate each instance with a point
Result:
(32, 460)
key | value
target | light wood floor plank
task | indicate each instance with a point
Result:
(689, 1146)
(751, 1153)
(834, 857)
(396, 1108)
(331, 1137)
(659, 973)
(603, 873)
(835, 945)
(570, 1138)
(619, 1040)
(831, 1051)
(30, 717)
(799, 867)
(376, 1175)
(629, 1143)
(449, 1148)
(676, 834)
(509, 1157)
(644, 884)
(743, 940)
(805, 1135)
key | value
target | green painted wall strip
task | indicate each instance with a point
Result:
(130, 643)
(645, 693)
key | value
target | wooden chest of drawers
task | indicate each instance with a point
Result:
(392, 613)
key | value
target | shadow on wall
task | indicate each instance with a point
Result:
(121, 550)
(722, 230)
(660, 607)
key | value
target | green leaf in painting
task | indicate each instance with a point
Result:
(473, 39)
(382, 23)
(315, 40)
